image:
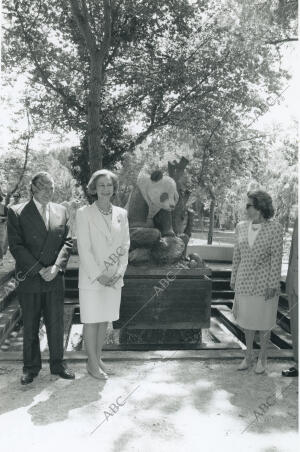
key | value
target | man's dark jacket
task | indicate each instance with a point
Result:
(35, 247)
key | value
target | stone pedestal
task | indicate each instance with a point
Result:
(130, 336)
(164, 305)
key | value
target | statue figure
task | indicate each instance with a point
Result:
(159, 221)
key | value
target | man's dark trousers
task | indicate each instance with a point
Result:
(51, 306)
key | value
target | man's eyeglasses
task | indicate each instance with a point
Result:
(249, 205)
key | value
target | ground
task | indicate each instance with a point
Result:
(164, 405)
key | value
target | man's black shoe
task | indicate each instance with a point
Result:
(291, 372)
(68, 374)
(27, 378)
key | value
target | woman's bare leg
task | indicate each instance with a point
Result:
(100, 342)
(90, 335)
(102, 328)
(249, 335)
(264, 337)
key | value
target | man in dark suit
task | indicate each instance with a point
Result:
(40, 242)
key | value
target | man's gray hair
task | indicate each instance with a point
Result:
(40, 176)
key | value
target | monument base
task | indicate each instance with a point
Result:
(130, 336)
(164, 305)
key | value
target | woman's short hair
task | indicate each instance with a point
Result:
(262, 201)
(91, 187)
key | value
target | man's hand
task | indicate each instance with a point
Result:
(49, 273)
(43, 272)
(270, 293)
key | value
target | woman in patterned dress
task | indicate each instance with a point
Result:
(256, 272)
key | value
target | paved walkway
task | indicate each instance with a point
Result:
(148, 406)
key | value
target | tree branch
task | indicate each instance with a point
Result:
(82, 20)
(8, 196)
(162, 120)
(244, 139)
(32, 25)
(280, 41)
(115, 9)
(141, 137)
(210, 191)
(194, 89)
(204, 157)
(71, 101)
(105, 45)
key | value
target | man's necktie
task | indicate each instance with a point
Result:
(44, 215)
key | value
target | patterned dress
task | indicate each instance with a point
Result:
(257, 266)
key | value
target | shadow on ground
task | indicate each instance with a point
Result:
(169, 402)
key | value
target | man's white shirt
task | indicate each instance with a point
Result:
(40, 209)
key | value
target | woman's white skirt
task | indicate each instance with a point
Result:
(99, 305)
(253, 312)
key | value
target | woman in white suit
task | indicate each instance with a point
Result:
(103, 244)
(256, 272)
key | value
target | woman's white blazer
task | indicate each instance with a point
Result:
(99, 247)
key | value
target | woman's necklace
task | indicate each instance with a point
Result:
(105, 212)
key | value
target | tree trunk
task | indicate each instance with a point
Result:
(211, 221)
(94, 128)
(198, 206)
(201, 216)
(97, 55)
(181, 219)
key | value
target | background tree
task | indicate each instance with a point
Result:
(14, 167)
(100, 69)
(220, 174)
(11, 168)
(281, 177)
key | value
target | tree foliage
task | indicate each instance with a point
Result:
(98, 68)
(11, 167)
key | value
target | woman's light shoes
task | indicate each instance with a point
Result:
(105, 368)
(260, 368)
(100, 375)
(246, 363)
